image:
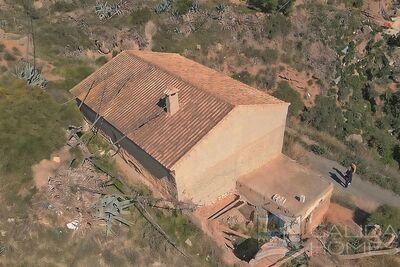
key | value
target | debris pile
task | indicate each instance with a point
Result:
(70, 194)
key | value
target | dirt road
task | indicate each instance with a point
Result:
(363, 189)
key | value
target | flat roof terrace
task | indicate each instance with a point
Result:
(286, 178)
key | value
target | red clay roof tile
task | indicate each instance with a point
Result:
(128, 91)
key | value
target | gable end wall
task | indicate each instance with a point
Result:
(243, 141)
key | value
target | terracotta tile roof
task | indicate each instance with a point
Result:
(209, 80)
(127, 92)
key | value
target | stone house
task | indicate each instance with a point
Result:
(192, 131)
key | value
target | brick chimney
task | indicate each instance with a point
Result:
(171, 99)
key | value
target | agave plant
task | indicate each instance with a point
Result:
(33, 77)
(220, 8)
(163, 6)
(195, 6)
(106, 11)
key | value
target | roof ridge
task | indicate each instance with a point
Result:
(174, 75)
(233, 88)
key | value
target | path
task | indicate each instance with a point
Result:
(359, 188)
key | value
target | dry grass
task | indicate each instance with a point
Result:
(293, 149)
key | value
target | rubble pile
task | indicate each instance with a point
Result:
(74, 194)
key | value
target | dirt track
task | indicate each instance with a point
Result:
(359, 188)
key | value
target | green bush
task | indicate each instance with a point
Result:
(264, 5)
(353, 3)
(392, 108)
(326, 116)
(244, 77)
(140, 16)
(288, 94)
(101, 61)
(316, 149)
(394, 41)
(268, 55)
(266, 78)
(9, 57)
(271, 5)
(276, 25)
(386, 216)
(74, 74)
(183, 6)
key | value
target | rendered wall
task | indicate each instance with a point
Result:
(317, 215)
(149, 167)
(243, 141)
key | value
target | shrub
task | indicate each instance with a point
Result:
(266, 78)
(64, 6)
(183, 6)
(394, 40)
(288, 94)
(264, 5)
(316, 149)
(268, 55)
(276, 25)
(16, 51)
(386, 216)
(326, 116)
(2, 46)
(271, 5)
(244, 77)
(9, 57)
(353, 3)
(392, 108)
(101, 60)
(140, 16)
